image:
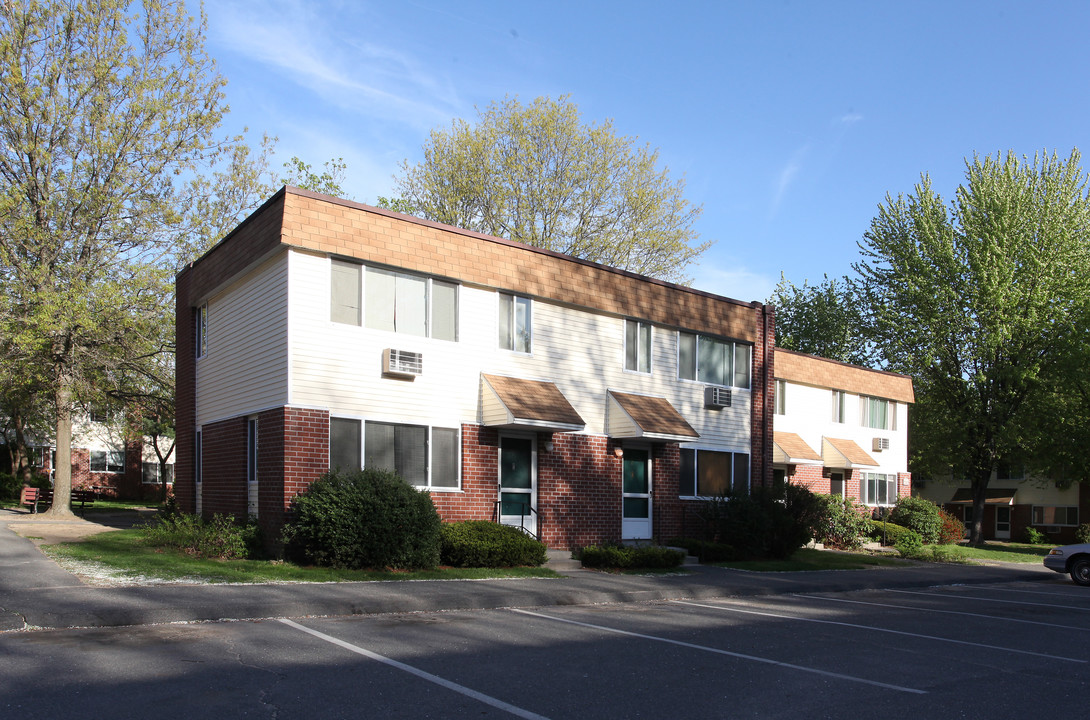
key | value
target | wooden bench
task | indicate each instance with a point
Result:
(33, 496)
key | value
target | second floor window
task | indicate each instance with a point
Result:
(637, 346)
(713, 361)
(877, 413)
(779, 399)
(838, 406)
(515, 323)
(393, 301)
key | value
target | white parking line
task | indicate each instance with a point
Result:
(1031, 592)
(946, 612)
(741, 656)
(480, 697)
(1008, 602)
(729, 608)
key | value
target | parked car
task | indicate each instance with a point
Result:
(1074, 559)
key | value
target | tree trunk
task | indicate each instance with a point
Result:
(62, 473)
(980, 493)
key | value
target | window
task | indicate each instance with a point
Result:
(836, 484)
(712, 473)
(1051, 515)
(108, 461)
(151, 473)
(878, 489)
(716, 362)
(779, 397)
(344, 443)
(877, 413)
(637, 346)
(515, 323)
(411, 304)
(202, 330)
(405, 449)
(838, 406)
(344, 303)
(252, 488)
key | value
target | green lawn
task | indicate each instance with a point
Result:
(808, 559)
(125, 551)
(999, 551)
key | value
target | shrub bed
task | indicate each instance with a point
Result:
(893, 532)
(841, 525)
(952, 530)
(626, 558)
(910, 544)
(480, 543)
(705, 550)
(221, 538)
(919, 515)
(361, 519)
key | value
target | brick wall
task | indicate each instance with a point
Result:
(762, 387)
(185, 398)
(224, 477)
(480, 478)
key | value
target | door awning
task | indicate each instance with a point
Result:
(531, 404)
(791, 449)
(838, 453)
(992, 496)
(649, 418)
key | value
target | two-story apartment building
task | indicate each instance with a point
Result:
(580, 401)
(841, 429)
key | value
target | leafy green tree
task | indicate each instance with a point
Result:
(536, 174)
(328, 182)
(821, 319)
(104, 111)
(984, 302)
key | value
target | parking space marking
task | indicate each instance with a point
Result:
(718, 651)
(994, 600)
(468, 692)
(1032, 592)
(729, 608)
(946, 612)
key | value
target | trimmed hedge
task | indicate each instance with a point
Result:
(625, 558)
(893, 532)
(360, 519)
(481, 543)
(918, 514)
(705, 550)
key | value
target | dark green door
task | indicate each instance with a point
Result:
(518, 491)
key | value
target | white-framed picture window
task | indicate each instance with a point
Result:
(713, 361)
(712, 473)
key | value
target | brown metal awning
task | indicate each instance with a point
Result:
(840, 453)
(791, 449)
(992, 496)
(532, 404)
(643, 416)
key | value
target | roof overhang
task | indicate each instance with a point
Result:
(791, 449)
(647, 418)
(840, 453)
(992, 496)
(508, 402)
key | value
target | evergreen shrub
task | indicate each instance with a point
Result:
(623, 558)
(918, 514)
(910, 544)
(481, 543)
(360, 519)
(887, 533)
(1082, 533)
(1034, 536)
(841, 525)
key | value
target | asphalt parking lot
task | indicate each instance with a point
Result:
(986, 650)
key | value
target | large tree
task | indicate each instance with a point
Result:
(536, 174)
(105, 108)
(984, 302)
(822, 319)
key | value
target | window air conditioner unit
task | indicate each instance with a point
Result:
(880, 444)
(402, 363)
(716, 397)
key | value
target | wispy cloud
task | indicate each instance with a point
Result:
(316, 54)
(787, 175)
(733, 281)
(850, 118)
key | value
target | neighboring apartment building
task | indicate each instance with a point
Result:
(104, 459)
(1014, 502)
(841, 429)
(582, 402)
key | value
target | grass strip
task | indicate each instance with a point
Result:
(997, 552)
(809, 559)
(125, 552)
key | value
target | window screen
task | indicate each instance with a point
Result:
(345, 293)
(344, 443)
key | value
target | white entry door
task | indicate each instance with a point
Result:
(518, 483)
(636, 494)
(1003, 522)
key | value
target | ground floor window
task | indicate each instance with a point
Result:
(151, 473)
(878, 489)
(423, 456)
(108, 461)
(1055, 515)
(712, 473)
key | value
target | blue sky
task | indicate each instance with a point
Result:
(790, 121)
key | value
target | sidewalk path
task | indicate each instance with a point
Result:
(36, 593)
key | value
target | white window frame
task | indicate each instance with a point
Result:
(695, 481)
(1044, 523)
(644, 347)
(840, 411)
(684, 372)
(511, 311)
(429, 298)
(155, 466)
(109, 460)
(888, 479)
(865, 416)
(779, 398)
(429, 459)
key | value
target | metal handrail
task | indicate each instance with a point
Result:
(522, 518)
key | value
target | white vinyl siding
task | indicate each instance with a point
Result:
(246, 369)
